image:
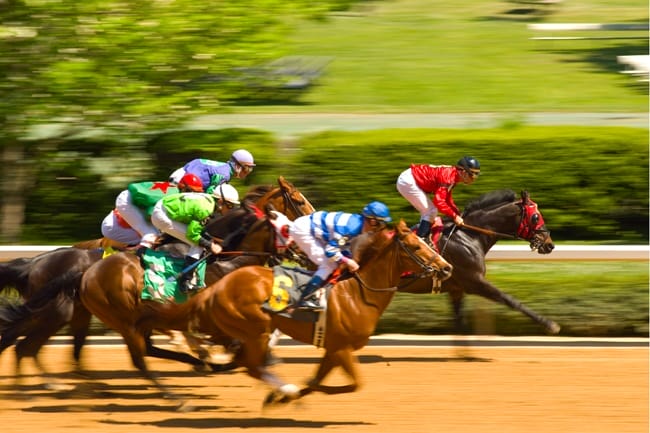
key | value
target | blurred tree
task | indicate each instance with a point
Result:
(123, 68)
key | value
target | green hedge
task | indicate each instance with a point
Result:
(590, 183)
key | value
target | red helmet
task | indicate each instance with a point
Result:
(190, 182)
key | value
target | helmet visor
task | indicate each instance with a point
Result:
(247, 168)
(472, 172)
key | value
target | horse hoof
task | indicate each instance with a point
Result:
(185, 407)
(218, 368)
(61, 387)
(553, 328)
(290, 390)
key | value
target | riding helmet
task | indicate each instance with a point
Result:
(377, 210)
(227, 193)
(191, 182)
(243, 157)
(471, 165)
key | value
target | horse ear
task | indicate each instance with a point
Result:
(524, 196)
(269, 209)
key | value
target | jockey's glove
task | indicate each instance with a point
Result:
(205, 242)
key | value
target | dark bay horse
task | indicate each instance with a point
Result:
(234, 306)
(497, 214)
(50, 282)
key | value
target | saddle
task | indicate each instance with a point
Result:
(288, 284)
(161, 272)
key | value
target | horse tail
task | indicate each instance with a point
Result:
(14, 273)
(164, 316)
(58, 293)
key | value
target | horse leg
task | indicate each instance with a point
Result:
(137, 346)
(252, 355)
(457, 299)
(343, 358)
(273, 341)
(158, 352)
(79, 325)
(37, 332)
(489, 291)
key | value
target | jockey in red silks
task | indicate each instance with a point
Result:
(419, 181)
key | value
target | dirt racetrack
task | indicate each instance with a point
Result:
(406, 390)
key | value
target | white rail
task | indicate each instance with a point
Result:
(498, 252)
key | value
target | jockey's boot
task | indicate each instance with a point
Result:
(186, 281)
(436, 232)
(307, 299)
(423, 230)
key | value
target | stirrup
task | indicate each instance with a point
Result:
(310, 304)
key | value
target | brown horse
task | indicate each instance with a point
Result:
(233, 306)
(498, 214)
(50, 282)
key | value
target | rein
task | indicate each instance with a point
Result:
(427, 270)
(490, 232)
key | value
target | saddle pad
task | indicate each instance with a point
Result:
(160, 270)
(287, 283)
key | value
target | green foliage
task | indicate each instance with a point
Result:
(133, 66)
(590, 183)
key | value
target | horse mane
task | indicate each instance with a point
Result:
(367, 245)
(257, 192)
(490, 200)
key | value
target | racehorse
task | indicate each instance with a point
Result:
(233, 306)
(497, 214)
(51, 288)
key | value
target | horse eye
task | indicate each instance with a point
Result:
(534, 218)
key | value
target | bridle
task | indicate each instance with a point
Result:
(427, 270)
(531, 224)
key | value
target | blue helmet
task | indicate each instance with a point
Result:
(377, 210)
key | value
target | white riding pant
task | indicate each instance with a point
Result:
(162, 222)
(112, 229)
(300, 232)
(420, 200)
(136, 218)
(177, 175)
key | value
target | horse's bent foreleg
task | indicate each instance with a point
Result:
(137, 346)
(346, 360)
(253, 355)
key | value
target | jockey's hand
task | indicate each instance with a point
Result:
(215, 248)
(458, 220)
(350, 263)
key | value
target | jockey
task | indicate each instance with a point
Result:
(325, 238)
(183, 216)
(419, 180)
(129, 222)
(214, 173)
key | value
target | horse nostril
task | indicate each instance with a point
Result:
(447, 270)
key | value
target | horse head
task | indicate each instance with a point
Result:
(532, 227)
(285, 198)
(414, 255)
(500, 214)
(297, 204)
(429, 262)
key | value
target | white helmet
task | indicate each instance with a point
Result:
(243, 157)
(227, 193)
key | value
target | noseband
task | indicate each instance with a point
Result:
(427, 271)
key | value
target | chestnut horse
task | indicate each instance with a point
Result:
(50, 282)
(498, 214)
(233, 306)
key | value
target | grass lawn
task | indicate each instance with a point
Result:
(585, 298)
(424, 56)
